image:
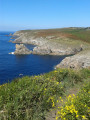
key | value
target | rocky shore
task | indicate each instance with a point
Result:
(53, 45)
(76, 61)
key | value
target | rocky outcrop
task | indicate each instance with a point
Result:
(42, 51)
(76, 61)
(55, 51)
(21, 49)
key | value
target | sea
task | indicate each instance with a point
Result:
(14, 66)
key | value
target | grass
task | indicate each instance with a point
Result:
(82, 34)
(78, 34)
(30, 98)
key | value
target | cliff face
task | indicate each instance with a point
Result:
(76, 61)
(55, 42)
(48, 42)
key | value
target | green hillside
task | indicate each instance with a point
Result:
(31, 98)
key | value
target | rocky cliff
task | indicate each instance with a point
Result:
(48, 44)
(76, 61)
(55, 42)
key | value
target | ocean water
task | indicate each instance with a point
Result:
(13, 66)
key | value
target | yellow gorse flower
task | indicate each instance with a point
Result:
(83, 117)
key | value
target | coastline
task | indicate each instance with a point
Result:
(55, 45)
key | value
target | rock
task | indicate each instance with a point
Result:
(21, 49)
(21, 74)
(76, 61)
(77, 50)
(10, 41)
(17, 40)
(42, 51)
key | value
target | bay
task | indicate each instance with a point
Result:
(14, 66)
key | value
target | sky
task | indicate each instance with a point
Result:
(43, 14)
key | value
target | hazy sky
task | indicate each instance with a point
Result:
(40, 14)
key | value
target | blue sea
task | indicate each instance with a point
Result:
(14, 66)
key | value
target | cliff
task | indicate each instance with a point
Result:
(66, 41)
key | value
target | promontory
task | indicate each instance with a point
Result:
(72, 41)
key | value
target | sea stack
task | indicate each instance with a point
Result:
(22, 49)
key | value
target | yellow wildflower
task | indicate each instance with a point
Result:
(57, 83)
(53, 105)
(57, 101)
(77, 116)
(60, 97)
(83, 117)
(45, 89)
(56, 117)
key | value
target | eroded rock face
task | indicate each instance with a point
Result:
(76, 61)
(45, 49)
(42, 51)
(21, 49)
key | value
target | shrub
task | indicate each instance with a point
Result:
(76, 107)
(30, 98)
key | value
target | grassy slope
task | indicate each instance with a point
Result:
(30, 98)
(78, 34)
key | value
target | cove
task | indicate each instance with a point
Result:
(14, 66)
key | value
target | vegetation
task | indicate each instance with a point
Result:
(82, 34)
(30, 98)
(74, 33)
(76, 107)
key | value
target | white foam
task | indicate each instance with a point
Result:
(11, 53)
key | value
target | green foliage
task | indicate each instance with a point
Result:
(30, 98)
(76, 107)
(79, 34)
